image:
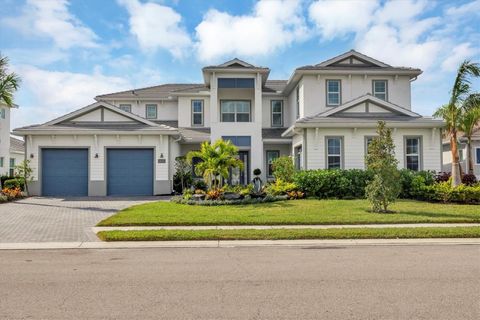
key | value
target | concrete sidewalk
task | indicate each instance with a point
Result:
(234, 243)
(260, 227)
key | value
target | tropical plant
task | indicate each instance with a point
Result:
(385, 186)
(182, 179)
(283, 169)
(9, 83)
(468, 122)
(25, 172)
(453, 111)
(216, 161)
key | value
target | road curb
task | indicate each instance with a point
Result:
(233, 243)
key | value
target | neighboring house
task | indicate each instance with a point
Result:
(11, 152)
(463, 153)
(324, 116)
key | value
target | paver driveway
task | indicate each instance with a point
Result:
(39, 219)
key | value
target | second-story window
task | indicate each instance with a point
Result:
(334, 95)
(277, 113)
(197, 112)
(380, 89)
(235, 111)
(126, 107)
(2, 113)
(297, 93)
(151, 111)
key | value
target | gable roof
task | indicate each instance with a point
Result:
(364, 99)
(235, 62)
(352, 54)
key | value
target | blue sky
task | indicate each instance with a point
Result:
(67, 52)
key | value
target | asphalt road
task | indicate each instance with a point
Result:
(383, 282)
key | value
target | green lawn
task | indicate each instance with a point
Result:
(290, 234)
(291, 212)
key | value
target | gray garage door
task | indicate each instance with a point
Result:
(130, 172)
(64, 172)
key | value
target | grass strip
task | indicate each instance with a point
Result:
(299, 212)
(291, 234)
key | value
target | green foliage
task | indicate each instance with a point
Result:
(341, 184)
(283, 169)
(220, 202)
(217, 159)
(15, 183)
(199, 185)
(182, 179)
(385, 187)
(412, 182)
(445, 192)
(25, 172)
(9, 83)
(280, 187)
(240, 189)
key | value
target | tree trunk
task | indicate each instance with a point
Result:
(469, 155)
(456, 178)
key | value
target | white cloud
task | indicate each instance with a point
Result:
(51, 19)
(338, 18)
(461, 52)
(273, 25)
(157, 27)
(54, 93)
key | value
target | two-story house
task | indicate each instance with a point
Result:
(11, 149)
(323, 116)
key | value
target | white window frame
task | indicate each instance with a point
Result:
(148, 105)
(374, 92)
(272, 102)
(196, 112)
(419, 154)
(235, 112)
(328, 92)
(328, 155)
(11, 167)
(125, 107)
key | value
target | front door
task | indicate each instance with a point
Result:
(238, 176)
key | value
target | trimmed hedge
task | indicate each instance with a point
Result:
(444, 192)
(341, 184)
(14, 183)
(3, 179)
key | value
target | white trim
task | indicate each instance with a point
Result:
(355, 54)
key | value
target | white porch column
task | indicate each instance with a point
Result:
(214, 110)
(257, 154)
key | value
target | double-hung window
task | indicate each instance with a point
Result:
(334, 95)
(12, 167)
(126, 107)
(235, 111)
(197, 112)
(334, 152)
(413, 153)
(277, 113)
(271, 156)
(151, 111)
(2, 113)
(477, 156)
(380, 89)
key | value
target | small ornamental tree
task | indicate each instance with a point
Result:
(24, 171)
(283, 169)
(182, 178)
(385, 187)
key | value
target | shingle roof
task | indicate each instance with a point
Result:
(274, 85)
(195, 134)
(274, 133)
(158, 92)
(17, 145)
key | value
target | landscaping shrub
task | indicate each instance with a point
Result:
(12, 193)
(280, 187)
(199, 185)
(3, 179)
(283, 169)
(467, 179)
(182, 179)
(444, 192)
(246, 200)
(342, 184)
(15, 183)
(413, 181)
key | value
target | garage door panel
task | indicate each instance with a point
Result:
(130, 172)
(64, 172)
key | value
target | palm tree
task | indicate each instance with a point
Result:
(468, 122)
(452, 112)
(9, 83)
(216, 160)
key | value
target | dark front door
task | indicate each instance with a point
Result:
(238, 176)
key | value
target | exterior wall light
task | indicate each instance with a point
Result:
(96, 155)
(31, 155)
